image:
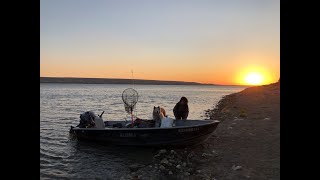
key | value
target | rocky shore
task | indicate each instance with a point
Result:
(246, 144)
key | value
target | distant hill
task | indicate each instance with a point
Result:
(113, 81)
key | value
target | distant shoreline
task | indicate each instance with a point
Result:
(69, 80)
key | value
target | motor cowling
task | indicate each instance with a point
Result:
(87, 120)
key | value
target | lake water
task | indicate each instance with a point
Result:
(61, 106)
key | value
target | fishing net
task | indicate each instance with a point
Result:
(130, 99)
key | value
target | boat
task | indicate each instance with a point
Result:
(184, 133)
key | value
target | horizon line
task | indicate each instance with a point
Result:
(213, 84)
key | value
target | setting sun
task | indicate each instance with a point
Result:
(255, 75)
(253, 78)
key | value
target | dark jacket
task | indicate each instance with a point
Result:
(181, 111)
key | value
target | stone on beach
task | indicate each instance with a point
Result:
(162, 167)
(206, 154)
(235, 168)
(135, 167)
(162, 151)
(164, 161)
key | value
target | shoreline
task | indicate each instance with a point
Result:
(72, 80)
(216, 85)
(246, 144)
(113, 81)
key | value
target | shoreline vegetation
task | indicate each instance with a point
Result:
(246, 144)
(72, 80)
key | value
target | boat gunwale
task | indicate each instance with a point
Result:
(157, 128)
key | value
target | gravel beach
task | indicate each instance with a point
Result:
(246, 144)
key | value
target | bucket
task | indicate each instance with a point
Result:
(166, 122)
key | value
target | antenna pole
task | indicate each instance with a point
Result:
(132, 78)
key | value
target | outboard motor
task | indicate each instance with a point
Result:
(87, 120)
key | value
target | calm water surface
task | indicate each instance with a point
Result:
(61, 105)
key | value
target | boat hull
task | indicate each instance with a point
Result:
(175, 136)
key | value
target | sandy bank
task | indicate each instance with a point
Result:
(246, 144)
(249, 135)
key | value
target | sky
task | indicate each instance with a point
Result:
(206, 41)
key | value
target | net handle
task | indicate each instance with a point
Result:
(131, 109)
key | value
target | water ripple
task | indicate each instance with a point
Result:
(61, 105)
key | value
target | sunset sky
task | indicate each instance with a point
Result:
(208, 41)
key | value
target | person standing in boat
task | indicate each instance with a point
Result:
(181, 109)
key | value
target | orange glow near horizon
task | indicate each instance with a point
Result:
(203, 67)
(236, 73)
